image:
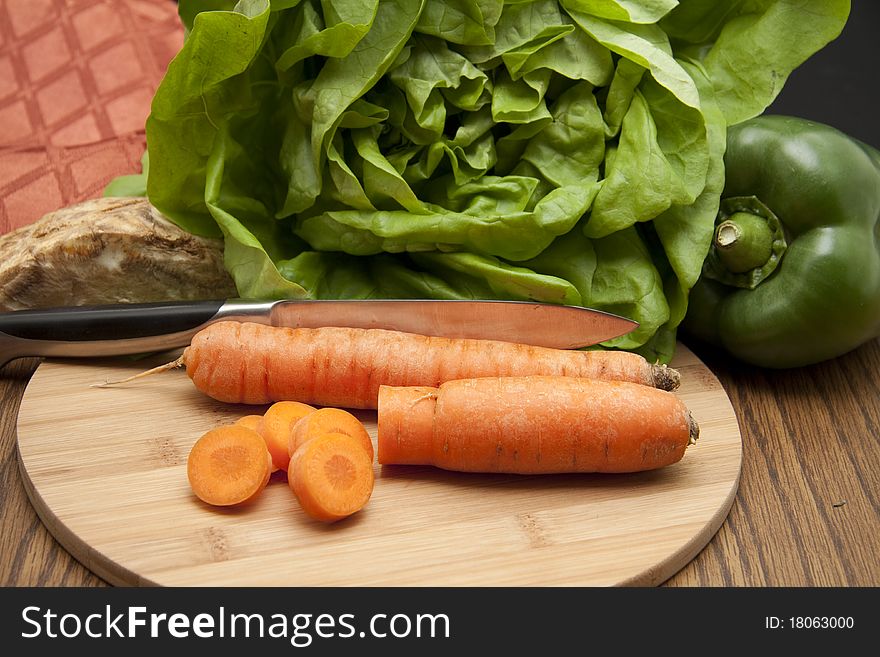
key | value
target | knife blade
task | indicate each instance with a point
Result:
(118, 329)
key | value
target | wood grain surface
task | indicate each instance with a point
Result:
(807, 511)
(105, 469)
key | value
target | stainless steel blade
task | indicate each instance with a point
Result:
(542, 324)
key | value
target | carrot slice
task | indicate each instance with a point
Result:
(329, 420)
(228, 465)
(250, 421)
(331, 476)
(277, 423)
(253, 422)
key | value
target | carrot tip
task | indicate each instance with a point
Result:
(666, 378)
(156, 370)
(693, 429)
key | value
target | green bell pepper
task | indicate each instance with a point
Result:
(793, 274)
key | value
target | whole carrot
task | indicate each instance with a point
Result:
(533, 425)
(344, 367)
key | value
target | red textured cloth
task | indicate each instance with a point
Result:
(76, 81)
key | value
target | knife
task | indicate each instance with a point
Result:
(117, 329)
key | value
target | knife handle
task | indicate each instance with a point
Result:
(84, 323)
(115, 329)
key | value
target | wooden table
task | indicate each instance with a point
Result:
(807, 512)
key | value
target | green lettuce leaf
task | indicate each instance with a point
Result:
(682, 234)
(662, 159)
(750, 47)
(134, 184)
(633, 11)
(754, 54)
(480, 228)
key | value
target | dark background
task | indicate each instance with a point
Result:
(840, 85)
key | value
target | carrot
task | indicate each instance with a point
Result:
(331, 476)
(228, 465)
(275, 428)
(344, 367)
(250, 421)
(329, 420)
(532, 425)
(253, 422)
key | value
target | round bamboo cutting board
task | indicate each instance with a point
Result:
(106, 470)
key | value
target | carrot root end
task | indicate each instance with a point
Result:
(173, 365)
(665, 378)
(693, 429)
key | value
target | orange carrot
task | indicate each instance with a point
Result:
(331, 476)
(329, 420)
(275, 428)
(253, 422)
(257, 364)
(532, 425)
(228, 465)
(250, 421)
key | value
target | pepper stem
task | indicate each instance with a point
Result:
(747, 245)
(744, 241)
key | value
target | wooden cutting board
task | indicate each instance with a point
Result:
(105, 469)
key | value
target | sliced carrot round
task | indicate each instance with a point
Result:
(277, 423)
(250, 421)
(329, 420)
(228, 465)
(331, 476)
(253, 422)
